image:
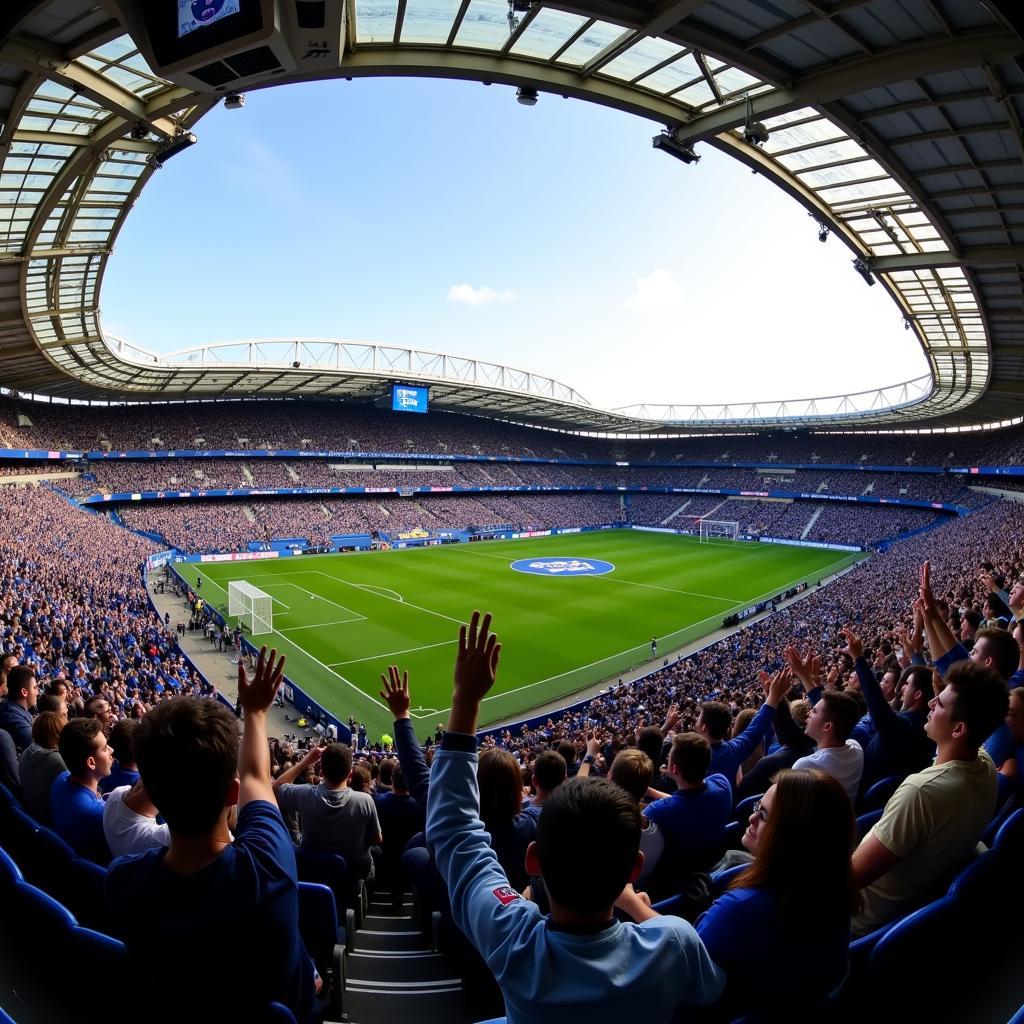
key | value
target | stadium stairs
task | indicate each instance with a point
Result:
(394, 973)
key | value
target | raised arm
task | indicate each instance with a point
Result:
(878, 707)
(943, 646)
(255, 697)
(286, 778)
(410, 756)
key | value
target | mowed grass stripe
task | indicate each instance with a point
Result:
(559, 634)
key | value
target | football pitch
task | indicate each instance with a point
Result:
(578, 608)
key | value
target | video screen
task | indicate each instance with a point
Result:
(193, 14)
(405, 398)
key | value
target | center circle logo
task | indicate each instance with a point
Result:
(562, 566)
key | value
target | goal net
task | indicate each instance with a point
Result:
(716, 529)
(252, 606)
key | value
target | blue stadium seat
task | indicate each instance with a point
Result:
(745, 808)
(5, 1018)
(276, 1013)
(866, 821)
(977, 884)
(318, 926)
(9, 871)
(1010, 837)
(330, 869)
(82, 892)
(877, 795)
(723, 878)
(1018, 1017)
(1006, 808)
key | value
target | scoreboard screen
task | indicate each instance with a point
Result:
(194, 14)
(406, 398)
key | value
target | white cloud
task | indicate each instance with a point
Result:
(471, 296)
(656, 292)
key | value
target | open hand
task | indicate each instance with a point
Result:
(396, 692)
(257, 694)
(854, 645)
(476, 662)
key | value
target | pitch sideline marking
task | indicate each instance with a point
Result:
(322, 625)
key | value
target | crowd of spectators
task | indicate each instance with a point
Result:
(298, 424)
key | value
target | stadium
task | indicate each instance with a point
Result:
(746, 741)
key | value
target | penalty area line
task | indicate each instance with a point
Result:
(391, 654)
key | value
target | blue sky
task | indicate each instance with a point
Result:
(444, 215)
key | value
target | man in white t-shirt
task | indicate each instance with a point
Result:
(829, 724)
(129, 821)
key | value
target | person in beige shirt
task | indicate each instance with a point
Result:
(932, 824)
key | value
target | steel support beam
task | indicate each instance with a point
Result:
(981, 256)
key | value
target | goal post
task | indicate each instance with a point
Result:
(253, 606)
(718, 529)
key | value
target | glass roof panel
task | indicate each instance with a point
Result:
(679, 73)
(833, 152)
(695, 95)
(428, 21)
(375, 21)
(843, 173)
(116, 49)
(640, 58)
(547, 33)
(732, 80)
(591, 43)
(485, 25)
(811, 134)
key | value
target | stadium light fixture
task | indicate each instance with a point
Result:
(754, 132)
(515, 9)
(684, 151)
(234, 101)
(526, 96)
(176, 145)
(860, 265)
(823, 228)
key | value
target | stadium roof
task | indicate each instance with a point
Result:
(897, 123)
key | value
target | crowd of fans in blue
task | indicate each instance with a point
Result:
(549, 849)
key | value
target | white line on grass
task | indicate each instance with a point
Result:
(322, 625)
(670, 590)
(405, 604)
(356, 616)
(390, 654)
(383, 590)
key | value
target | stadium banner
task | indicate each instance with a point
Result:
(235, 556)
(39, 453)
(359, 541)
(159, 559)
(245, 492)
(990, 470)
(790, 542)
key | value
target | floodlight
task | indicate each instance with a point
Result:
(176, 145)
(823, 230)
(860, 265)
(139, 131)
(526, 96)
(234, 101)
(680, 150)
(754, 132)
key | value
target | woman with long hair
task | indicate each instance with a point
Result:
(790, 909)
(501, 805)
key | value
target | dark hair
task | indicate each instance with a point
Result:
(398, 780)
(567, 750)
(651, 741)
(50, 702)
(78, 743)
(18, 679)
(972, 617)
(336, 763)
(588, 835)
(121, 739)
(811, 822)
(917, 676)
(842, 711)
(998, 606)
(981, 701)
(501, 787)
(387, 771)
(1001, 648)
(187, 753)
(550, 769)
(46, 729)
(360, 780)
(717, 718)
(91, 703)
(632, 769)
(691, 755)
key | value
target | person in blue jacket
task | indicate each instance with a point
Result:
(579, 961)
(792, 905)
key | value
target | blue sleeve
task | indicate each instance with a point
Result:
(414, 764)
(724, 928)
(1000, 745)
(744, 744)
(494, 916)
(814, 694)
(1017, 679)
(950, 658)
(262, 833)
(886, 720)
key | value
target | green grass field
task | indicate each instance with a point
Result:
(342, 619)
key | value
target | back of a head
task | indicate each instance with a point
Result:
(633, 770)
(501, 787)
(811, 822)
(691, 756)
(742, 720)
(46, 729)
(549, 769)
(843, 712)
(122, 738)
(387, 771)
(360, 780)
(18, 679)
(50, 702)
(77, 743)
(567, 750)
(982, 699)
(398, 781)
(588, 835)
(717, 718)
(651, 741)
(799, 710)
(187, 753)
(1001, 648)
(336, 763)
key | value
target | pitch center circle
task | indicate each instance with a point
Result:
(562, 566)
